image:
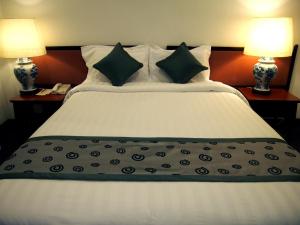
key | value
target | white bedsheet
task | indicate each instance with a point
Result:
(151, 112)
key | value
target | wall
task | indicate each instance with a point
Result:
(215, 22)
(9, 86)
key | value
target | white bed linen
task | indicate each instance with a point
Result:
(207, 109)
(111, 113)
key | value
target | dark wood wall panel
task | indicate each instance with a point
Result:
(61, 66)
(235, 68)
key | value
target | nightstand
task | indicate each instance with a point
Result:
(33, 110)
(280, 103)
(278, 109)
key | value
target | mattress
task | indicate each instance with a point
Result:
(206, 110)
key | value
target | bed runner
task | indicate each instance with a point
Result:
(153, 159)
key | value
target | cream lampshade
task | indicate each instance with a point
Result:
(268, 38)
(19, 39)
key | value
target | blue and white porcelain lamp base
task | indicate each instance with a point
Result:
(26, 73)
(264, 71)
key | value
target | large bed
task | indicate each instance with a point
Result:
(172, 133)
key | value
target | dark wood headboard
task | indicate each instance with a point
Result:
(64, 64)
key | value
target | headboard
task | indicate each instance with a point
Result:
(64, 64)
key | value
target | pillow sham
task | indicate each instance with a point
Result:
(201, 53)
(181, 65)
(94, 53)
(118, 65)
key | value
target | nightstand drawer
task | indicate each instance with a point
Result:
(34, 110)
(280, 103)
(275, 109)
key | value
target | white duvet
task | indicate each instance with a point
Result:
(206, 109)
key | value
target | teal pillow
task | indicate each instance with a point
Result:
(118, 65)
(181, 65)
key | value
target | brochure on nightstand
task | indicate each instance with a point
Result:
(59, 89)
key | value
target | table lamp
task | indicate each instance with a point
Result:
(268, 38)
(19, 39)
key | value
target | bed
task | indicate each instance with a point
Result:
(152, 153)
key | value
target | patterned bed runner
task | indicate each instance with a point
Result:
(154, 159)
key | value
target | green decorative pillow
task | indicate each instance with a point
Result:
(181, 65)
(118, 66)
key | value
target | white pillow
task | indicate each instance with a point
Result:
(201, 53)
(94, 53)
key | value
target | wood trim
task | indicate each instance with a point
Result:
(37, 98)
(213, 48)
(75, 47)
(63, 48)
(291, 69)
(277, 94)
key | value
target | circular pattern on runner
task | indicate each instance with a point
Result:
(204, 157)
(115, 161)
(150, 170)
(253, 162)
(185, 162)
(290, 154)
(48, 143)
(9, 167)
(274, 171)
(107, 146)
(78, 169)
(166, 165)
(185, 151)
(271, 156)
(95, 153)
(202, 171)
(58, 148)
(269, 147)
(27, 161)
(128, 170)
(47, 158)
(82, 146)
(56, 168)
(121, 150)
(225, 155)
(32, 151)
(223, 171)
(250, 152)
(294, 170)
(160, 154)
(138, 157)
(95, 164)
(72, 155)
(237, 166)
(144, 148)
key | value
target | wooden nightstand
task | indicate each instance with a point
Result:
(280, 103)
(34, 110)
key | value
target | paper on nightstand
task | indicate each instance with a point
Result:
(44, 92)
